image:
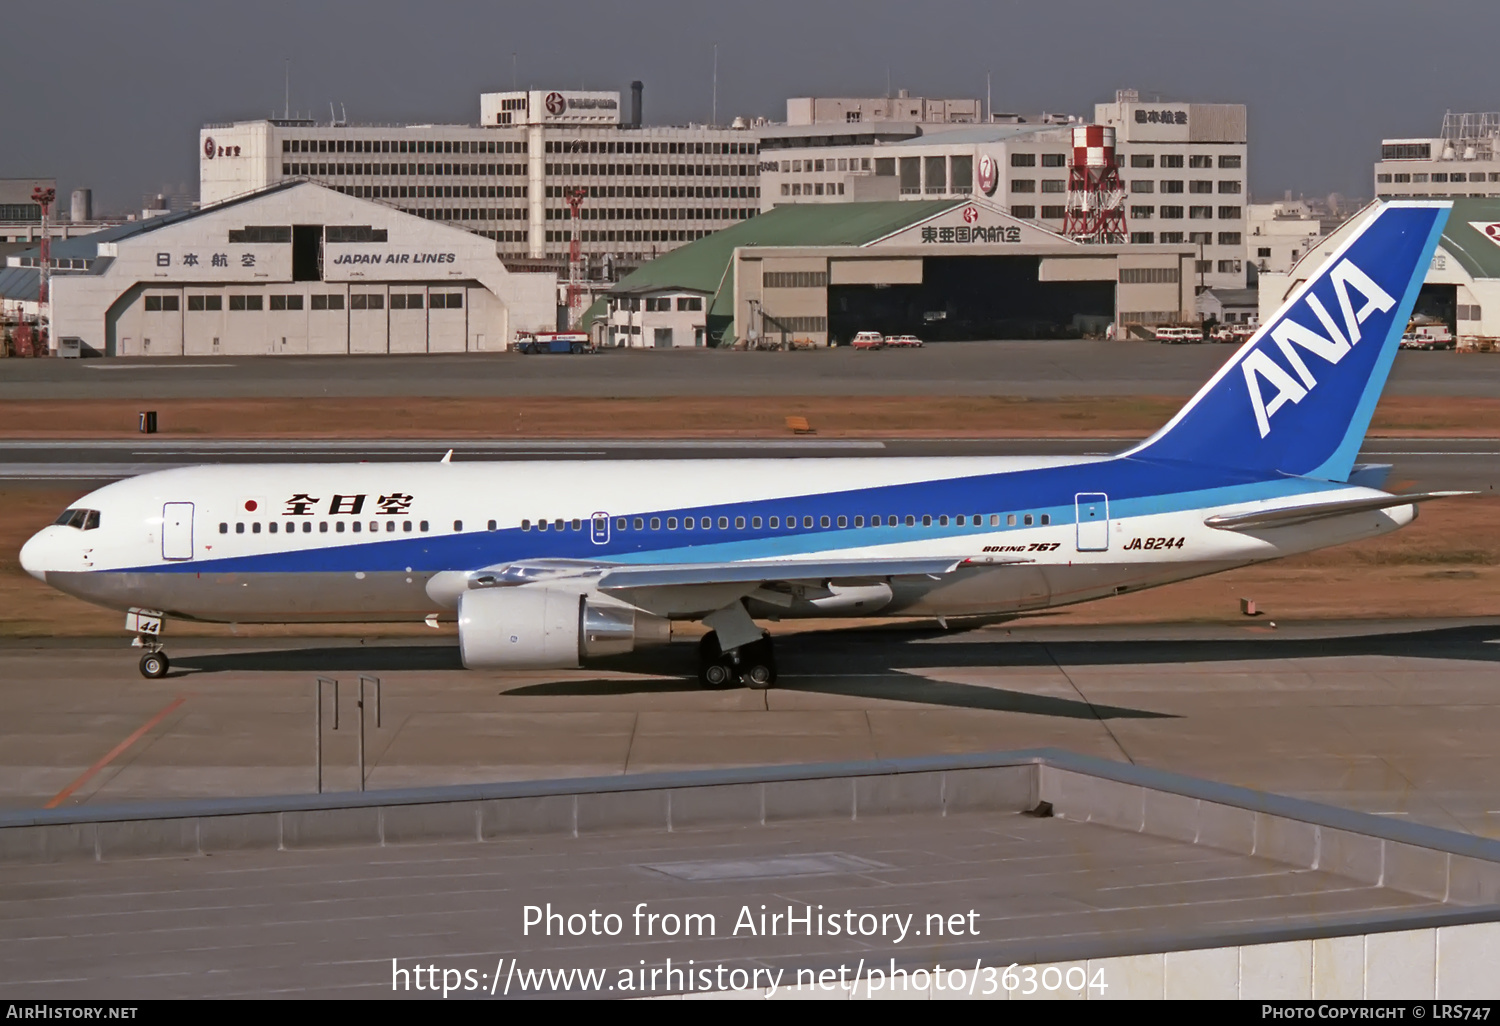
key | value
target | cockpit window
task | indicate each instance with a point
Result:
(83, 519)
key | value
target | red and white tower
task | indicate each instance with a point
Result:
(44, 199)
(575, 197)
(1096, 196)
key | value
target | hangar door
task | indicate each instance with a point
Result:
(969, 298)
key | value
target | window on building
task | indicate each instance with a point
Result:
(1023, 160)
(1171, 160)
(1146, 185)
(1200, 212)
(1406, 151)
(1171, 212)
(1229, 267)
(690, 302)
(1054, 185)
(1054, 213)
(1145, 238)
(1142, 213)
(1200, 187)
(1023, 185)
(1203, 238)
(1229, 213)
(1383, 179)
(1229, 160)
(1229, 188)
(1263, 251)
(1024, 211)
(153, 304)
(1171, 238)
(1200, 160)
(1054, 160)
(1142, 160)
(1229, 239)
(1171, 185)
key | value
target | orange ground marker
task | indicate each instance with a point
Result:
(89, 773)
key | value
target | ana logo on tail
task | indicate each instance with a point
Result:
(1258, 365)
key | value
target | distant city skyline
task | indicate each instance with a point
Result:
(122, 97)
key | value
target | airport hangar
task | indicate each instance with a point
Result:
(1462, 287)
(295, 268)
(942, 270)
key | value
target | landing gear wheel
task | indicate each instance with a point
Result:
(715, 670)
(155, 665)
(758, 664)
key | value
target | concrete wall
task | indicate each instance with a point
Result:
(1446, 963)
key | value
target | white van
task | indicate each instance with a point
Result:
(1177, 335)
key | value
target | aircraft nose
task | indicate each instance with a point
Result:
(33, 556)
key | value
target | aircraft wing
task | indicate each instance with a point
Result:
(1286, 516)
(623, 578)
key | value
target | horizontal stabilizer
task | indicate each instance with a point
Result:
(620, 578)
(1287, 516)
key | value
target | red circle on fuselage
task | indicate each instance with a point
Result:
(250, 505)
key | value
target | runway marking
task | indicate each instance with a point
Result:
(93, 770)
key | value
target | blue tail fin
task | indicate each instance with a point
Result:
(1298, 397)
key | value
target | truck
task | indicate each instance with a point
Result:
(553, 342)
(1428, 336)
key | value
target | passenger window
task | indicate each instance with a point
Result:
(706, 523)
(911, 521)
(943, 520)
(1046, 519)
(423, 526)
(775, 522)
(355, 526)
(671, 523)
(755, 523)
(639, 524)
(338, 526)
(390, 527)
(1010, 520)
(739, 523)
(223, 528)
(239, 528)
(255, 527)
(458, 525)
(493, 525)
(406, 526)
(526, 525)
(578, 525)
(655, 523)
(1028, 520)
(307, 527)
(271, 527)
(843, 521)
(892, 521)
(322, 527)
(687, 523)
(559, 525)
(807, 521)
(960, 520)
(620, 523)
(927, 520)
(723, 523)
(859, 521)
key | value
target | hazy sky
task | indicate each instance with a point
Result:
(113, 94)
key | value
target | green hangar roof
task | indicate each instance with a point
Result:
(703, 266)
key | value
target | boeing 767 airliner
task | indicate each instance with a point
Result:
(549, 564)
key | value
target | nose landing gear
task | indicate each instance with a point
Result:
(753, 665)
(147, 623)
(155, 665)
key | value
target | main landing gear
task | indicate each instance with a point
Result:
(752, 664)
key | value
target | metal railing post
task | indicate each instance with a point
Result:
(361, 736)
(318, 722)
(376, 681)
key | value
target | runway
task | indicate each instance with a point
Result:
(1432, 463)
(1394, 718)
(1049, 369)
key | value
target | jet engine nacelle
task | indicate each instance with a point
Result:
(548, 629)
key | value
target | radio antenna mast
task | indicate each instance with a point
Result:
(286, 110)
(715, 117)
